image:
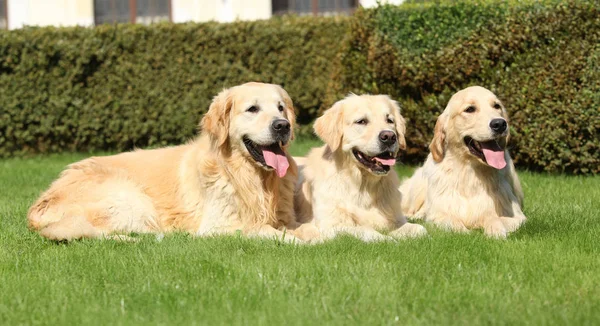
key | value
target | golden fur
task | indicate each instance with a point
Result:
(338, 194)
(458, 190)
(209, 186)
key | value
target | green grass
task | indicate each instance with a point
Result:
(546, 273)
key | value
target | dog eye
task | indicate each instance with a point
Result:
(280, 108)
(252, 109)
(361, 122)
(470, 109)
(390, 120)
(497, 106)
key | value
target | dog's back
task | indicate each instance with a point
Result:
(100, 195)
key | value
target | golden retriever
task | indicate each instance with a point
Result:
(468, 180)
(349, 184)
(237, 175)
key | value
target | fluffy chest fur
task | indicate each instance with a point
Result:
(470, 193)
(229, 191)
(338, 190)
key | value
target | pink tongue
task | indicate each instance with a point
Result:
(386, 161)
(494, 158)
(277, 161)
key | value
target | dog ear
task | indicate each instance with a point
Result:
(290, 112)
(400, 124)
(329, 126)
(439, 138)
(216, 121)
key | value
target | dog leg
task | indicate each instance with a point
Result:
(365, 234)
(409, 230)
(120, 238)
(265, 232)
(70, 228)
(512, 223)
(451, 224)
(419, 215)
(494, 228)
(269, 232)
(304, 231)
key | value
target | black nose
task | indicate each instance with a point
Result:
(281, 126)
(388, 137)
(498, 125)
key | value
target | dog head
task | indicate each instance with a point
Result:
(256, 119)
(367, 128)
(473, 125)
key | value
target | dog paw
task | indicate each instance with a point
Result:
(496, 229)
(375, 237)
(511, 223)
(120, 238)
(306, 232)
(409, 230)
(289, 238)
(452, 224)
(419, 215)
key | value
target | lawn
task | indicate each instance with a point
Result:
(546, 273)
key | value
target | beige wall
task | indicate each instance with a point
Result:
(81, 12)
(231, 10)
(253, 9)
(373, 3)
(193, 10)
(50, 12)
(220, 10)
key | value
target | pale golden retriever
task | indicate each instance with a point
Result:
(468, 180)
(349, 185)
(237, 175)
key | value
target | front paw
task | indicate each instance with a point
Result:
(374, 237)
(418, 215)
(409, 230)
(289, 238)
(306, 232)
(512, 223)
(496, 229)
(451, 224)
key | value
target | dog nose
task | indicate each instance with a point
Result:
(498, 125)
(281, 126)
(388, 137)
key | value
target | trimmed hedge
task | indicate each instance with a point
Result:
(540, 58)
(116, 87)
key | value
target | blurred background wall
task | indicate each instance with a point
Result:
(18, 13)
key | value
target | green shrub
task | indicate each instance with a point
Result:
(541, 58)
(116, 87)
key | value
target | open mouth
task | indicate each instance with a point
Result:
(488, 151)
(379, 164)
(269, 156)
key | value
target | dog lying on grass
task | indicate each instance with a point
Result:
(237, 175)
(349, 185)
(468, 181)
